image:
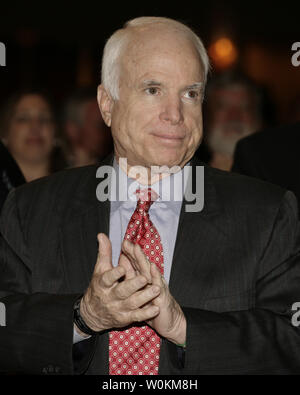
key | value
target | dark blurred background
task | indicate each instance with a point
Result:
(58, 45)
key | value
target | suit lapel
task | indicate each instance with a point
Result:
(199, 246)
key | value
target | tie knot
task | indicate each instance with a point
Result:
(145, 198)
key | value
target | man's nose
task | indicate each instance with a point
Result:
(172, 111)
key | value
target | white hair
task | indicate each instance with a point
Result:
(117, 43)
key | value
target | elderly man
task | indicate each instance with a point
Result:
(234, 110)
(209, 291)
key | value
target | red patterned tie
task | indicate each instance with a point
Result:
(136, 350)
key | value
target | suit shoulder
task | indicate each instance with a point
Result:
(66, 178)
(235, 186)
(55, 189)
(247, 198)
(274, 137)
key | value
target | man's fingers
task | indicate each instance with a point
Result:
(104, 259)
(129, 287)
(125, 263)
(138, 259)
(143, 263)
(143, 297)
(128, 250)
(156, 275)
(111, 276)
(146, 313)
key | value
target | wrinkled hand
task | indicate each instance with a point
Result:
(170, 322)
(109, 303)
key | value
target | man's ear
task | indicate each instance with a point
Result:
(105, 103)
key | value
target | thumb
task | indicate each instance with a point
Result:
(104, 259)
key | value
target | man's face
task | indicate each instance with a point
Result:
(158, 117)
(232, 116)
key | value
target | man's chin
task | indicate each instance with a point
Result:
(167, 163)
(160, 159)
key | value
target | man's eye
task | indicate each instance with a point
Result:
(192, 95)
(152, 90)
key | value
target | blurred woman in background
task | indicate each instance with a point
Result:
(29, 132)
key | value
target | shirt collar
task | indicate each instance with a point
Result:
(169, 189)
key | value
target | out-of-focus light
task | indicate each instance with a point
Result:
(223, 53)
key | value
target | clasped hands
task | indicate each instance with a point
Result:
(142, 296)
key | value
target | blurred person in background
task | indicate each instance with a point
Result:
(233, 111)
(88, 139)
(29, 139)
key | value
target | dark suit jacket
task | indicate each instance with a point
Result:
(272, 155)
(235, 273)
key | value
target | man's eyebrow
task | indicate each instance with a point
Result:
(151, 83)
(196, 85)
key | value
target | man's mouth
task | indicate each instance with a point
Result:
(169, 136)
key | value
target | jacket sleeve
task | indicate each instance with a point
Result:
(38, 335)
(257, 341)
